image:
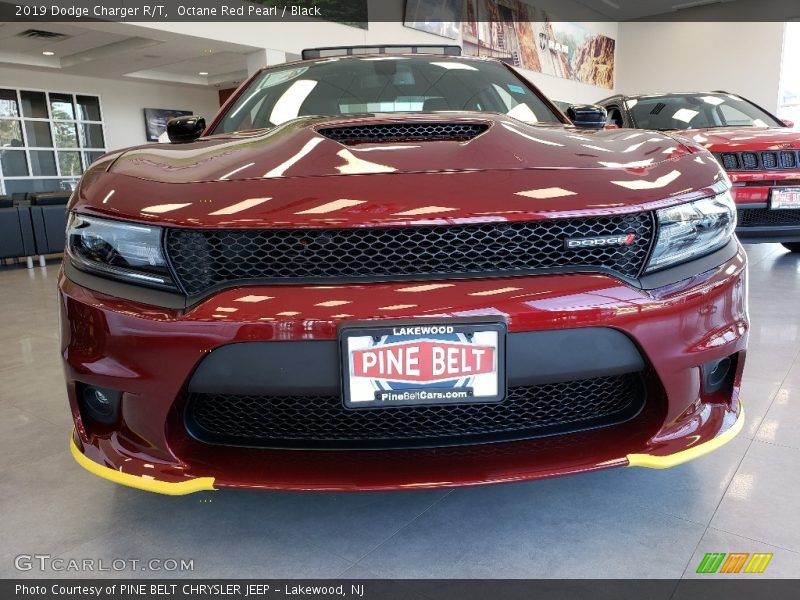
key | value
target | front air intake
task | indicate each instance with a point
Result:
(759, 161)
(322, 422)
(404, 132)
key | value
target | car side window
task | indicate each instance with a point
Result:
(733, 116)
(614, 115)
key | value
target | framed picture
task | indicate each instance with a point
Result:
(155, 120)
(440, 17)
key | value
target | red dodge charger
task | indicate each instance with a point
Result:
(394, 271)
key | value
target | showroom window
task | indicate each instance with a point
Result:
(47, 139)
(789, 101)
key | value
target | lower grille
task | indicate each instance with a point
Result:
(323, 422)
(760, 217)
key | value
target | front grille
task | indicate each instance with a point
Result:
(758, 161)
(760, 217)
(404, 132)
(323, 422)
(204, 259)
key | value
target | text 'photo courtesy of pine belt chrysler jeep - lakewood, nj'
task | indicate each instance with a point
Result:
(378, 270)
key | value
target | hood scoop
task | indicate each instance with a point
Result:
(428, 131)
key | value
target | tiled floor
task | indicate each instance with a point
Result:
(618, 523)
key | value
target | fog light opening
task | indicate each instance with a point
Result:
(715, 374)
(101, 405)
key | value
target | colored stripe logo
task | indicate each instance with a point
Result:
(735, 562)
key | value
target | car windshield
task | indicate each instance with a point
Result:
(695, 111)
(382, 84)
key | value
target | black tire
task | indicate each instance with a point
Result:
(792, 246)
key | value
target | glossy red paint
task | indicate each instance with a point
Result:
(292, 177)
(116, 343)
(753, 187)
(512, 172)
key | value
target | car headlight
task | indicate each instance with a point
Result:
(125, 251)
(691, 230)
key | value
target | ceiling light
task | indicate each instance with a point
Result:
(48, 53)
(203, 73)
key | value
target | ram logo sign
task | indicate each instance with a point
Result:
(735, 562)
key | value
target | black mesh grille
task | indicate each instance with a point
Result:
(730, 161)
(757, 161)
(749, 161)
(203, 259)
(769, 160)
(396, 132)
(323, 422)
(757, 217)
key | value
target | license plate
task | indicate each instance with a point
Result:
(422, 362)
(784, 198)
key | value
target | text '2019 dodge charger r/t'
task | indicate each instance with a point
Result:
(399, 271)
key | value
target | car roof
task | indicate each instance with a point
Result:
(450, 57)
(661, 94)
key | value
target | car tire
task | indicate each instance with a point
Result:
(792, 246)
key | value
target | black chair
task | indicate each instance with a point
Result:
(16, 231)
(49, 218)
(49, 199)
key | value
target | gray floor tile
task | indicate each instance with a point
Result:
(219, 547)
(538, 529)
(19, 428)
(769, 362)
(784, 564)
(347, 524)
(756, 396)
(49, 506)
(763, 500)
(781, 425)
(689, 491)
(358, 572)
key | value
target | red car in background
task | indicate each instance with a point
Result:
(396, 272)
(760, 152)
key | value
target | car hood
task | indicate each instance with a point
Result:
(293, 176)
(300, 148)
(738, 139)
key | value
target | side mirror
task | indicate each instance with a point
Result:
(587, 116)
(185, 129)
(788, 123)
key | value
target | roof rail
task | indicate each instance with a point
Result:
(450, 50)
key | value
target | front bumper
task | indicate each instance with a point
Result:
(757, 222)
(152, 354)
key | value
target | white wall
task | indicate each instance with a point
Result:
(121, 101)
(742, 58)
(294, 37)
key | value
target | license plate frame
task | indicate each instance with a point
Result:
(403, 333)
(778, 202)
